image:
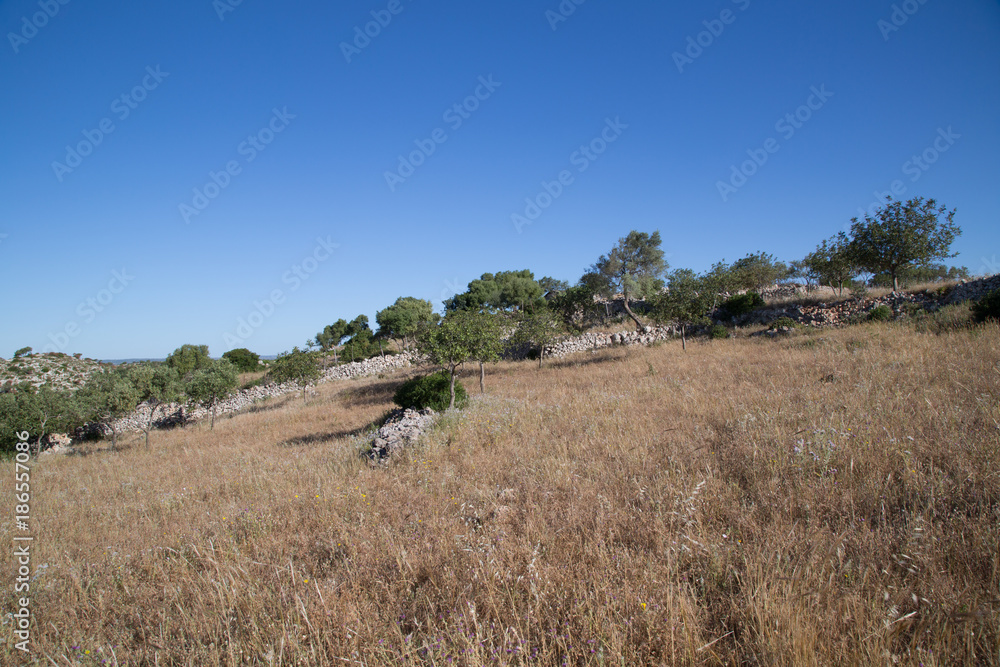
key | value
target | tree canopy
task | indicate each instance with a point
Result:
(404, 318)
(189, 358)
(833, 262)
(757, 271)
(687, 301)
(295, 366)
(107, 396)
(902, 235)
(156, 385)
(244, 360)
(448, 344)
(210, 384)
(506, 290)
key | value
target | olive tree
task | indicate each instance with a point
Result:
(686, 301)
(634, 269)
(540, 329)
(157, 385)
(447, 344)
(210, 384)
(106, 397)
(295, 366)
(484, 332)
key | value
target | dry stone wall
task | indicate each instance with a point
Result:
(973, 290)
(175, 413)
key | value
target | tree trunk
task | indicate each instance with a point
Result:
(895, 281)
(638, 324)
(149, 425)
(380, 350)
(482, 377)
(452, 403)
(38, 444)
(541, 354)
(684, 337)
(213, 417)
(335, 362)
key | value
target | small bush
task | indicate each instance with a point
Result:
(430, 391)
(881, 313)
(948, 318)
(783, 322)
(987, 308)
(741, 304)
(717, 332)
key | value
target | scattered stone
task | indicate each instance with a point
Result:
(402, 428)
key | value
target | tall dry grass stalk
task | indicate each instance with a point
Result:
(828, 498)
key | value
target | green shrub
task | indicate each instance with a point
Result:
(881, 313)
(717, 331)
(741, 304)
(987, 308)
(244, 360)
(783, 322)
(430, 391)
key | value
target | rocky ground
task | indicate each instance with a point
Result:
(55, 369)
(402, 428)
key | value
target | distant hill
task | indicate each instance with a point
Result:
(58, 370)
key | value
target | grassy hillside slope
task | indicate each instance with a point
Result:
(832, 497)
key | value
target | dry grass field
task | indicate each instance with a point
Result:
(827, 498)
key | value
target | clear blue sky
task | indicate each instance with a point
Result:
(190, 88)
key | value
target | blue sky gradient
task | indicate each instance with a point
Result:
(100, 255)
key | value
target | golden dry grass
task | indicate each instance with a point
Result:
(832, 497)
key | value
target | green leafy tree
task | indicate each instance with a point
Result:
(331, 336)
(447, 344)
(24, 351)
(506, 290)
(188, 358)
(687, 302)
(244, 360)
(902, 235)
(634, 268)
(757, 271)
(576, 306)
(485, 334)
(720, 281)
(361, 345)
(38, 412)
(295, 366)
(833, 262)
(403, 319)
(539, 329)
(210, 384)
(106, 397)
(157, 385)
